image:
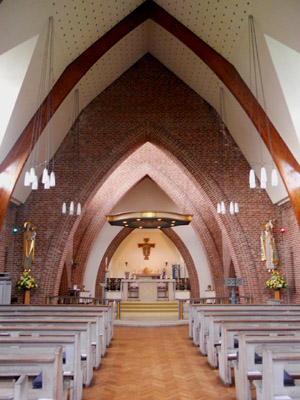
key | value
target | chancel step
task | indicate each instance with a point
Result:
(151, 307)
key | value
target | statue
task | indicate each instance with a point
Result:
(28, 245)
(268, 247)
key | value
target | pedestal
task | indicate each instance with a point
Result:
(277, 294)
(26, 297)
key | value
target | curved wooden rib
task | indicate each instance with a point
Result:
(287, 166)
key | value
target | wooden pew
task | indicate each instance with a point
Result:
(215, 322)
(200, 309)
(16, 390)
(37, 331)
(227, 352)
(17, 362)
(107, 311)
(205, 320)
(72, 368)
(271, 387)
(62, 321)
(250, 347)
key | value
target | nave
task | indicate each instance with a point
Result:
(155, 363)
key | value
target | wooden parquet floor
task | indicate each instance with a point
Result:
(158, 363)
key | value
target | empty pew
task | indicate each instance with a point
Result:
(227, 352)
(214, 339)
(72, 368)
(15, 390)
(200, 310)
(275, 367)
(62, 321)
(37, 331)
(204, 325)
(249, 362)
(106, 310)
(48, 361)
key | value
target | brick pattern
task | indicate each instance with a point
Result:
(149, 104)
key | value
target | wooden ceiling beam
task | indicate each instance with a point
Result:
(287, 165)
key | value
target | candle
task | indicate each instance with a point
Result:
(106, 261)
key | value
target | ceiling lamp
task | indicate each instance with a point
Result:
(149, 219)
(256, 81)
(76, 158)
(46, 79)
(226, 159)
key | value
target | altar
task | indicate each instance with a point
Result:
(148, 290)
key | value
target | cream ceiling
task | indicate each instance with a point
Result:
(223, 24)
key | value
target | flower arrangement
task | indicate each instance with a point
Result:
(276, 282)
(26, 282)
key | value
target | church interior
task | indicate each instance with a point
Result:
(150, 179)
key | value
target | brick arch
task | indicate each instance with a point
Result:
(201, 201)
(172, 235)
(148, 104)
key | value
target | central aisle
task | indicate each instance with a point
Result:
(157, 363)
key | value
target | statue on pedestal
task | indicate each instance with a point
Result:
(28, 245)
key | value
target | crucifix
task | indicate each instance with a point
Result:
(146, 248)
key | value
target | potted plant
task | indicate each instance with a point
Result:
(276, 283)
(27, 283)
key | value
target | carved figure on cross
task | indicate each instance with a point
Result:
(146, 248)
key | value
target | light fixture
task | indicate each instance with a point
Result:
(226, 156)
(255, 69)
(45, 86)
(76, 158)
(149, 219)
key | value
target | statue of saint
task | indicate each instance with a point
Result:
(28, 245)
(268, 247)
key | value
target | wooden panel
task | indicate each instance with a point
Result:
(287, 166)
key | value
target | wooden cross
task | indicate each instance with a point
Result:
(146, 248)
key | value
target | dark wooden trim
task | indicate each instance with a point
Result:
(287, 165)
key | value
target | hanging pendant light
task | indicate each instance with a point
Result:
(64, 208)
(35, 183)
(231, 208)
(236, 208)
(45, 79)
(259, 88)
(252, 179)
(223, 209)
(75, 173)
(219, 208)
(52, 179)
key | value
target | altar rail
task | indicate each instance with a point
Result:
(75, 300)
(223, 300)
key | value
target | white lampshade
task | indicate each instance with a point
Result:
(31, 174)
(45, 176)
(27, 179)
(219, 208)
(52, 179)
(252, 179)
(78, 212)
(71, 211)
(47, 184)
(236, 208)
(35, 183)
(263, 174)
(223, 209)
(64, 208)
(263, 184)
(274, 177)
(231, 208)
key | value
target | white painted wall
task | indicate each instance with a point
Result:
(129, 252)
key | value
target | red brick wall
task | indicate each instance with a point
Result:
(149, 104)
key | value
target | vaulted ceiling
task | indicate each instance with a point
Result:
(222, 24)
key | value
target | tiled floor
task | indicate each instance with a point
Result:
(155, 363)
